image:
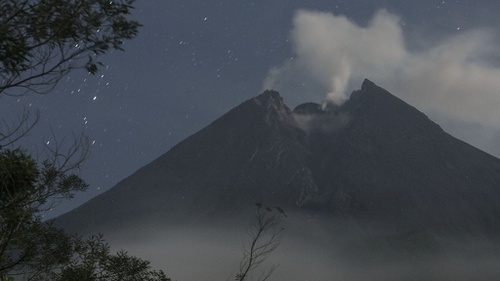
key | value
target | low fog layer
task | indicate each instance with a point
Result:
(454, 80)
(308, 252)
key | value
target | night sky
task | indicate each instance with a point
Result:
(194, 60)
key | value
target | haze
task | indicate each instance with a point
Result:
(209, 252)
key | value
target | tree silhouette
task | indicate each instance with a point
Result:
(41, 41)
(92, 260)
(27, 245)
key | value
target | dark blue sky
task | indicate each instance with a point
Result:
(194, 60)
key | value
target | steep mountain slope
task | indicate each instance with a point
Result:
(254, 153)
(393, 165)
(374, 160)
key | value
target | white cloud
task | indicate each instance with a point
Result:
(330, 50)
(454, 78)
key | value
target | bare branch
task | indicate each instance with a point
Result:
(12, 132)
(265, 236)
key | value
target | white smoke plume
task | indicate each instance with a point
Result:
(457, 78)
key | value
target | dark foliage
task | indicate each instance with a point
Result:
(43, 40)
(27, 245)
(92, 260)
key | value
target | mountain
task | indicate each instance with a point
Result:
(374, 160)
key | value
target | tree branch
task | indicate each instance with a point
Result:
(265, 236)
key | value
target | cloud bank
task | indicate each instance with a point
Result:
(457, 78)
(310, 250)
